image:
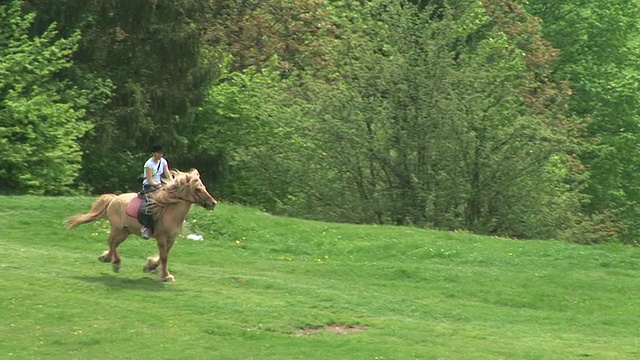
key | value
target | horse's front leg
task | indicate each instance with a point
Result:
(164, 245)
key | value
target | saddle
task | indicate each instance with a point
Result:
(136, 208)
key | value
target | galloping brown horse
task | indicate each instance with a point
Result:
(168, 205)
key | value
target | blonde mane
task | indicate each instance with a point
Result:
(171, 192)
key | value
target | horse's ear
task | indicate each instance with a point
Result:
(195, 172)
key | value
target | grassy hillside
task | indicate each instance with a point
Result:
(265, 287)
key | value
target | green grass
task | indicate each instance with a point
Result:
(256, 279)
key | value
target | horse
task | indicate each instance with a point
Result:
(168, 207)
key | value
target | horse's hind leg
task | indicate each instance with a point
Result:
(152, 264)
(105, 257)
(117, 237)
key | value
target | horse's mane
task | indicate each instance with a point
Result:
(170, 192)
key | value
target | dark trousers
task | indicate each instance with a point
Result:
(145, 218)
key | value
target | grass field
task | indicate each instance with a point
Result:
(264, 287)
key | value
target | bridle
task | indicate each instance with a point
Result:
(195, 199)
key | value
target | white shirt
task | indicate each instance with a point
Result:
(155, 171)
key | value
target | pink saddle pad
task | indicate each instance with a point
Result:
(133, 206)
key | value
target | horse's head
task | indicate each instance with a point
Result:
(189, 187)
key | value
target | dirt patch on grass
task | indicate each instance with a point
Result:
(338, 329)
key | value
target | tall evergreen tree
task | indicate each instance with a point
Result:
(152, 52)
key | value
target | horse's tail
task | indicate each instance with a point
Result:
(98, 211)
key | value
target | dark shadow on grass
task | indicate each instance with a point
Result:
(119, 283)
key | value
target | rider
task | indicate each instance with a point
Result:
(154, 169)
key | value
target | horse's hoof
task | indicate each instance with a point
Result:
(168, 278)
(146, 269)
(103, 257)
(116, 268)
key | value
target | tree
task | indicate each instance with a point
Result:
(598, 57)
(247, 134)
(152, 52)
(300, 33)
(41, 118)
(424, 121)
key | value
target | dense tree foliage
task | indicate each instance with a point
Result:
(598, 57)
(41, 116)
(494, 116)
(299, 32)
